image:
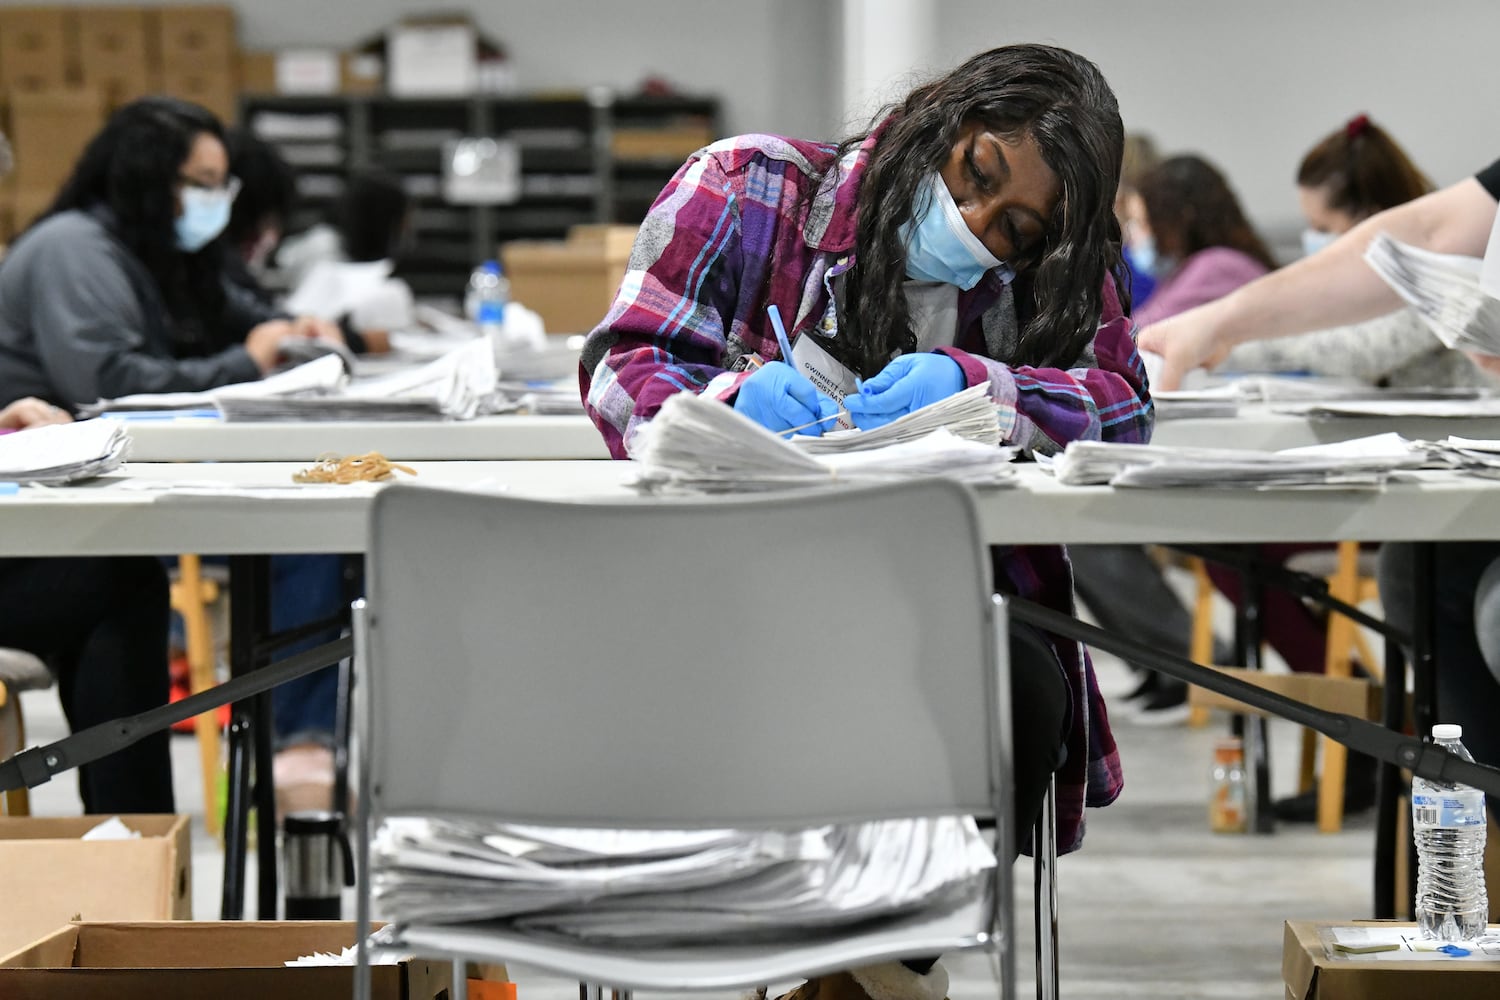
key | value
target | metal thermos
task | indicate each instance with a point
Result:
(316, 859)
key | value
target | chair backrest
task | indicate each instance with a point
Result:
(827, 656)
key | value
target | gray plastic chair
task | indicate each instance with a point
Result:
(783, 661)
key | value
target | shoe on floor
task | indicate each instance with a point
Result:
(1149, 683)
(1167, 707)
(886, 981)
(1359, 793)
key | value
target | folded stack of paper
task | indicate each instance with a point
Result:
(63, 453)
(460, 385)
(321, 375)
(676, 887)
(1444, 289)
(1361, 462)
(696, 444)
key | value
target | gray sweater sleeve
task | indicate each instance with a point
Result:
(90, 326)
(1370, 351)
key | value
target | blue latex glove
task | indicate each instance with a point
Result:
(778, 397)
(908, 383)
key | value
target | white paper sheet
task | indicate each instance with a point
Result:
(333, 288)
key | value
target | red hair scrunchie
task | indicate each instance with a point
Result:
(1357, 126)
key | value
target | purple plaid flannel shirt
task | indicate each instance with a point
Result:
(739, 228)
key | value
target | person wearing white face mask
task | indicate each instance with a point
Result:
(1349, 175)
(118, 287)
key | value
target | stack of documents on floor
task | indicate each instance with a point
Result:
(695, 444)
(1444, 289)
(321, 375)
(460, 385)
(63, 453)
(676, 887)
(1363, 462)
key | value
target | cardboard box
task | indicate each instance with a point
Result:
(196, 39)
(432, 57)
(672, 144)
(37, 50)
(48, 130)
(28, 203)
(309, 71)
(233, 960)
(1309, 973)
(213, 89)
(49, 876)
(569, 283)
(115, 52)
(257, 72)
(362, 73)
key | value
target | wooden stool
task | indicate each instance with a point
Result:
(192, 594)
(19, 671)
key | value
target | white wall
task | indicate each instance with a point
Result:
(1252, 84)
(768, 59)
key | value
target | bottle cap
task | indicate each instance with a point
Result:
(1447, 732)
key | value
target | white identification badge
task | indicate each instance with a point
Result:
(829, 376)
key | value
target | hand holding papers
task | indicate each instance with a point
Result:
(698, 444)
(1444, 289)
(63, 453)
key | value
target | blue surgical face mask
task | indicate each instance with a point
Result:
(1142, 255)
(1314, 240)
(205, 213)
(939, 245)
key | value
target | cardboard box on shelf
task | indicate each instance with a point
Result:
(214, 89)
(48, 130)
(571, 283)
(198, 38)
(362, 73)
(28, 203)
(233, 960)
(1310, 972)
(432, 57)
(51, 876)
(115, 52)
(674, 143)
(37, 48)
(257, 72)
(308, 71)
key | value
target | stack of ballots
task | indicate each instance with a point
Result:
(322, 375)
(696, 444)
(676, 887)
(1362, 462)
(1446, 290)
(63, 453)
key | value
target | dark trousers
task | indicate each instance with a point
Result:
(1467, 692)
(1040, 713)
(101, 626)
(1129, 596)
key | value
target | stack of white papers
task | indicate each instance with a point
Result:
(63, 453)
(696, 444)
(1362, 462)
(676, 887)
(1444, 289)
(460, 385)
(323, 374)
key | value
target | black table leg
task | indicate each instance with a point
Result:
(1388, 790)
(1253, 730)
(1423, 674)
(243, 598)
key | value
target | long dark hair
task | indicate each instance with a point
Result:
(1362, 169)
(1058, 99)
(369, 216)
(1191, 207)
(268, 187)
(133, 167)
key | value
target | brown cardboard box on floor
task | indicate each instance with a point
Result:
(48, 875)
(571, 283)
(1310, 973)
(116, 52)
(37, 48)
(48, 130)
(196, 38)
(211, 88)
(228, 960)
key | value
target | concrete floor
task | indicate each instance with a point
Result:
(1153, 906)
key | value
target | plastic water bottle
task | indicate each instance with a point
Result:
(489, 291)
(1449, 827)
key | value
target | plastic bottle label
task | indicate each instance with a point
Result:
(1446, 812)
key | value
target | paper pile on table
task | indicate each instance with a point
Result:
(697, 444)
(63, 453)
(676, 886)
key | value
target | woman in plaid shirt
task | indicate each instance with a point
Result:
(968, 239)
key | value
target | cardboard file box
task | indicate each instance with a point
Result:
(115, 52)
(49, 876)
(229, 960)
(1309, 972)
(569, 283)
(199, 39)
(212, 88)
(36, 48)
(49, 130)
